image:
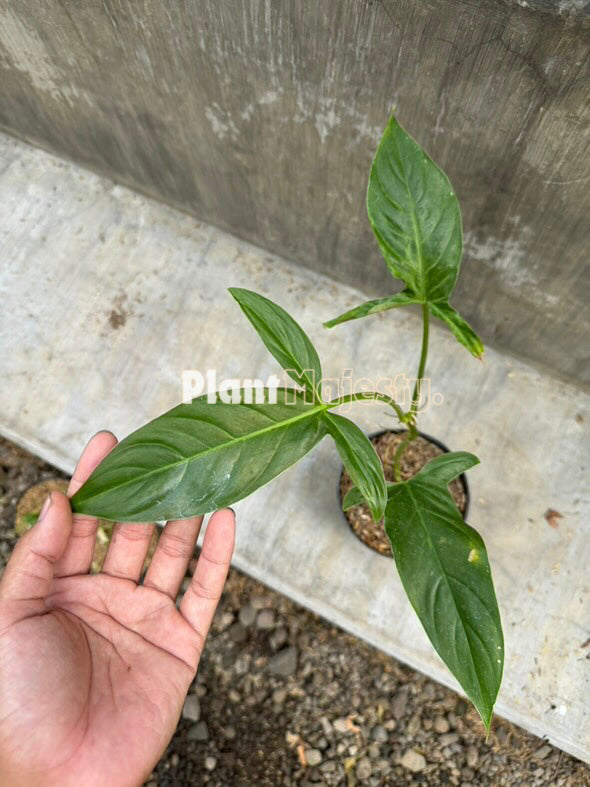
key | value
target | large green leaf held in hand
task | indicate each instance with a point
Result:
(205, 455)
(201, 456)
(361, 461)
(443, 566)
(283, 337)
(415, 216)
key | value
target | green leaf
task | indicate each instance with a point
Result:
(352, 498)
(415, 216)
(463, 332)
(402, 298)
(201, 456)
(283, 337)
(361, 460)
(443, 565)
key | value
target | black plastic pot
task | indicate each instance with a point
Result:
(462, 479)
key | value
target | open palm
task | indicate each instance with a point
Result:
(94, 669)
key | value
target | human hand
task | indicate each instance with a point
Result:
(94, 669)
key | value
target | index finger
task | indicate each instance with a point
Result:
(77, 557)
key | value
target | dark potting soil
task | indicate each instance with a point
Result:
(416, 455)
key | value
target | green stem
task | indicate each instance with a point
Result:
(376, 396)
(413, 411)
(423, 357)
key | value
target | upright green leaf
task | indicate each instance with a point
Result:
(283, 337)
(352, 498)
(443, 565)
(415, 216)
(361, 460)
(403, 298)
(461, 329)
(201, 456)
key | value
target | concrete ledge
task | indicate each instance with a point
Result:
(108, 296)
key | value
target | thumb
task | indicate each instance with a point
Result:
(29, 572)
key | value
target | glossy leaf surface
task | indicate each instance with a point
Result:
(415, 216)
(352, 498)
(361, 460)
(443, 565)
(403, 298)
(460, 328)
(283, 337)
(201, 456)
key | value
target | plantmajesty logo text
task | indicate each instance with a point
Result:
(257, 391)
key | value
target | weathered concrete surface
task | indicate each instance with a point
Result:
(262, 117)
(107, 297)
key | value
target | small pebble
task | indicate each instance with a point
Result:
(313, 757)
(472, 756)
(265, 619)
(414, 726)
(399, 704)
(260, 602)
(326, 725)
(373, 751)
(449, 738)
(278, 638)
(226, 619)
(542, 752)
(379, 734)
(247, 615)
(198, 732)
(284, 663)
(191, 709)
(441, 725)
(237, 632)
(341, 726)
(363, 768)
(279, 696)
(413, 761)
(210, 763)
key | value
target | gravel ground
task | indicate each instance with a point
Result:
(284, 698)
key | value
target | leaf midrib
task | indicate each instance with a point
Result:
(194, 457)
(414, 226)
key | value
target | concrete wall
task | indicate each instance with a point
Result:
(262, 117)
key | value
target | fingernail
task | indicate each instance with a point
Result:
(232, 510)
(45, 508)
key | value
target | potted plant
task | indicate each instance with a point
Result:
(217, 449)
(416, 220)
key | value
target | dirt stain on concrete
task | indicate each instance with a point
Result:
(119, 313)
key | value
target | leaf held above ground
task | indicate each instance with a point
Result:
(444, 568)
(415, 216)
(361, 461)
(201, 456)
(461, 329)
(403, 298)
(283, 337)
